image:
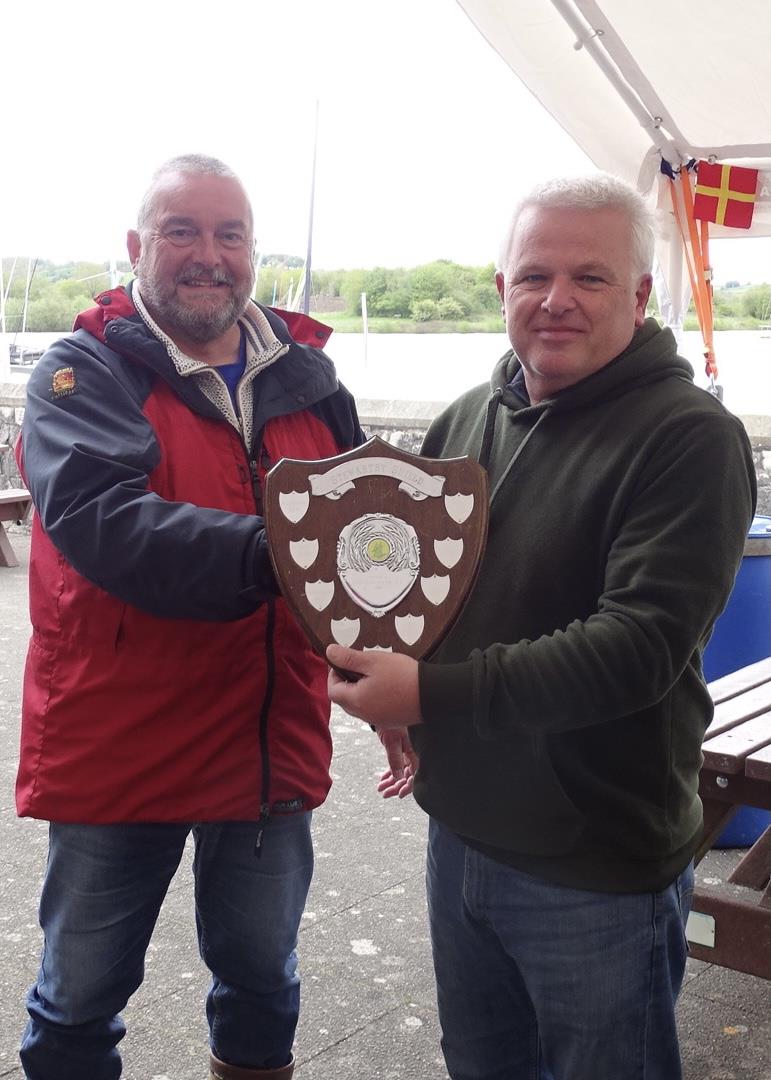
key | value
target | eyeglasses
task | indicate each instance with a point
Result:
(186, 235)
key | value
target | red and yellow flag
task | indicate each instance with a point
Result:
(725, 194)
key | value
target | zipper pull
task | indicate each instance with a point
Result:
(254, 476)
(262, 822)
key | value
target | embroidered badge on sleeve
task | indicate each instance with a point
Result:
(63, 382)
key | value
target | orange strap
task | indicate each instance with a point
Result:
(703, 273)
(699, 271)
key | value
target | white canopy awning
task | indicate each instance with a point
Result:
(634, 83)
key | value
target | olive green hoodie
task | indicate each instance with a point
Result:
(564, 712)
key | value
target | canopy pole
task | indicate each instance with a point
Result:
(587, 38)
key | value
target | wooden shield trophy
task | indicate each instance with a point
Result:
(376, 548)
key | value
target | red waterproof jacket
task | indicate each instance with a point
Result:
(164, 679)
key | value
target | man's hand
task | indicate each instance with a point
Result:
(398, 779)
(386, 694)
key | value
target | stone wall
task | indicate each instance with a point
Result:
(12, 398)
(401, 423)
(761, 451)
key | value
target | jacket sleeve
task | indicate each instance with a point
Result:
(343, 420)
(86, 452)
(668, 575)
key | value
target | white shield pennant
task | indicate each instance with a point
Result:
(304, 552)
(376, 548)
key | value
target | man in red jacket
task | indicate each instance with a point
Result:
(167, 689)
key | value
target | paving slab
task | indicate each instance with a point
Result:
(368, 996)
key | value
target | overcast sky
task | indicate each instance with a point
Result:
(426, 137)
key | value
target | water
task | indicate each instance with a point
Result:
(439, 367)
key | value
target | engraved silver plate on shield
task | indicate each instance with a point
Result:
(378, 561)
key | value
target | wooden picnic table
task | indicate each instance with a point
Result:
(730, 922)
(15, 504)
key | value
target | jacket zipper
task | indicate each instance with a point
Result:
(254, 478)
(264, 714)
(270, 663)
(260, 455)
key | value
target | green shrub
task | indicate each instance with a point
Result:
(424, 310)
(449, 308)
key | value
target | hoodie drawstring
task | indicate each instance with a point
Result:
(487, 438)
(489, 429)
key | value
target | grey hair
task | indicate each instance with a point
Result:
(184, 163)
(598, 191)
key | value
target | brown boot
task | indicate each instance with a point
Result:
(221, 1071)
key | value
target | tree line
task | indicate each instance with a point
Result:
(55, 293)
(436, 295)
(437, 290)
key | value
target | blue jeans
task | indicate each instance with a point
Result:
(537, 981)
(103, 890)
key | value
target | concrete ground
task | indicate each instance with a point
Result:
(368, 999)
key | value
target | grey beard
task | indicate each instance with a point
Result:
(197, 326)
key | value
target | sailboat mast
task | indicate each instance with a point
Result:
(307, 291)
(30, 272)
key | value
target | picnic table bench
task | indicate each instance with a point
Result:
(15, 505)
(730, 922)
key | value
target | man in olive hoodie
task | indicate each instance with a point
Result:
(559, 724)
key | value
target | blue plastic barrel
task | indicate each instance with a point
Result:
(742, 635)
